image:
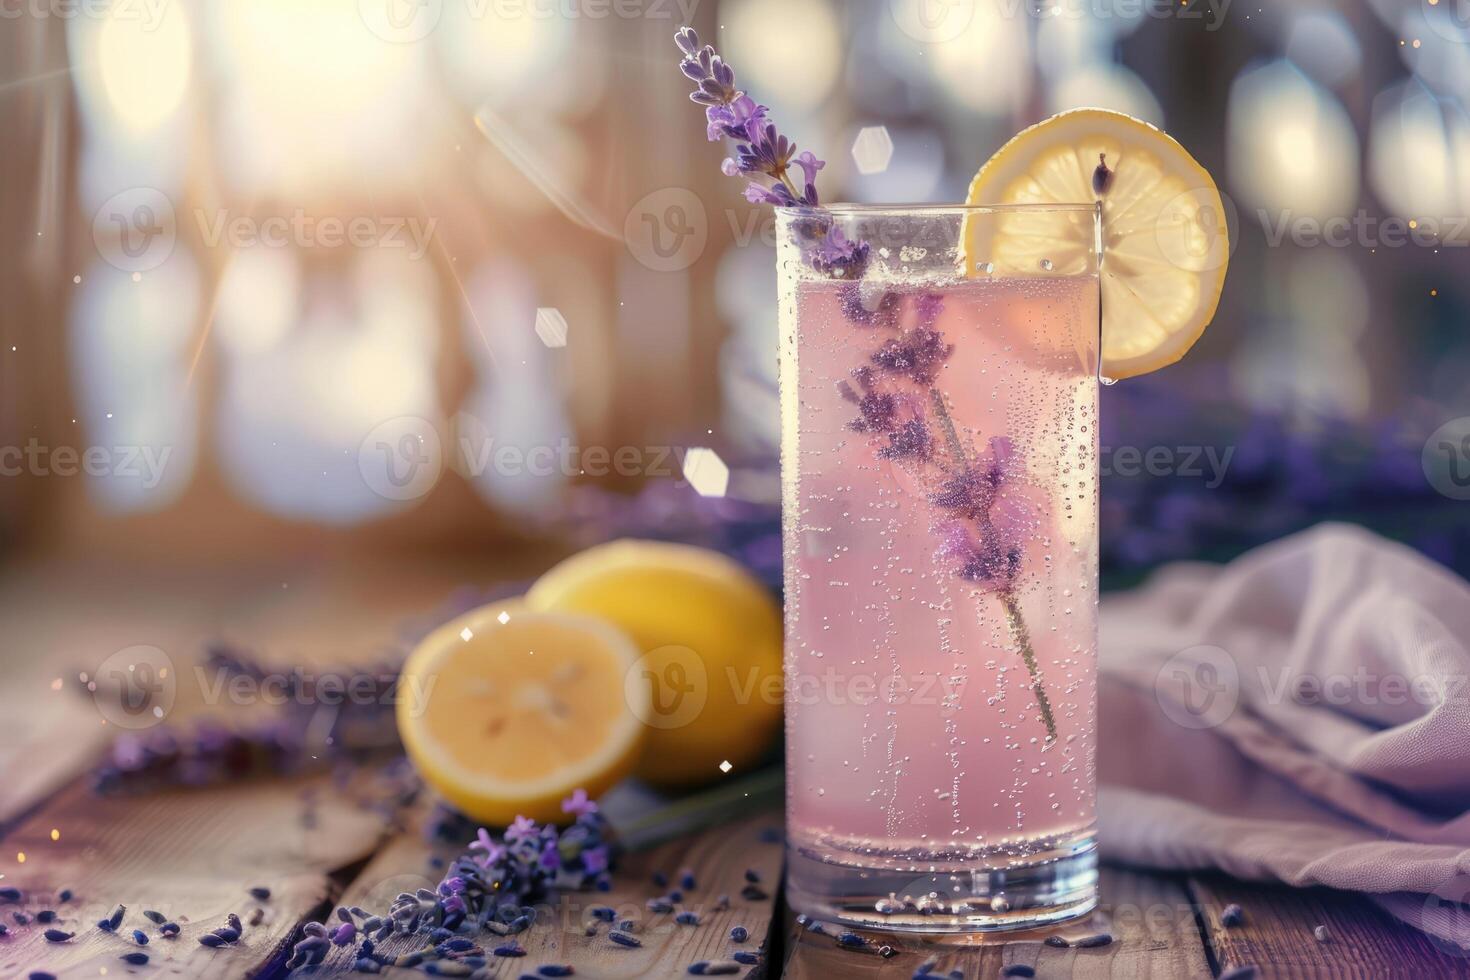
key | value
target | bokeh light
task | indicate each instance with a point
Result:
(1293, 151)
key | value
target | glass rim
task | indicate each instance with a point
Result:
(848, 208)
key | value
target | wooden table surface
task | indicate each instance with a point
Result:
(193, 854)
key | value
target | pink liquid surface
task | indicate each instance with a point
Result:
(913, 728)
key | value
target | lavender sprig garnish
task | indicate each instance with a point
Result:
(892, 413)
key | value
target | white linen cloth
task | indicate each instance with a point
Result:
(1301, 714)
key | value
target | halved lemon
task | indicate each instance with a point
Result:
(504, 711)
(710, 635)
(1165, 244)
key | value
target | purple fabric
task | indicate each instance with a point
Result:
(1299, 715)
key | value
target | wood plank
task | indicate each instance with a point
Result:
(718, 856)
(1150, 917)
(191, 855)
(1277, 934)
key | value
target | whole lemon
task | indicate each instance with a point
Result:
(709, 677)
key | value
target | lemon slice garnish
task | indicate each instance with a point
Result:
(1165, 244)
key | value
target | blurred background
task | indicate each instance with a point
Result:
(434, 282)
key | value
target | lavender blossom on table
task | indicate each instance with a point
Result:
(491, 886)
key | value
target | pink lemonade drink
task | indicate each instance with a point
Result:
(940, 487)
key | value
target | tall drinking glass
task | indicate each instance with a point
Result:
(939, 390)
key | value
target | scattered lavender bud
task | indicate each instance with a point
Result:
(40, 975)
(233, 921)
(590, 930)
(660, 879)
(722, 903)
(753, 893)
(315, 929)
(1322, 935)
(157, 918)
(438, 935)
(57, 936)
(956, 975)
(372, 924)
(140, 937)
(675, 896)
(257, 916)
(343, 914)
(1232, 915)
(604, 912)
(509, 949)
(714, 968)
(623, 939)
(448, 969)
(260, 893)
(1093, 941)
(9, 894)
(555, 970)
(687, 918)
(851, 940)
(459, 945)
(1057, 941)
(115, 919)
(64, 895)
(344, 934)
(366, 964)
(745, 956)
(211, 940)
(739, 934)
(227, 934)
(686, 880)
(1243, 972)
(46, 916)
(926, 967)
(137, 959)
(21, 918)
(1018, 970)
(753, 876)
(627, 925)
(520, 923)
(169, 929)
(657, 905)
(4, 929)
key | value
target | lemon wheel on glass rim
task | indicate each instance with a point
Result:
(1165, 243)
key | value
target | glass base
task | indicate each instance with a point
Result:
(1054, 882)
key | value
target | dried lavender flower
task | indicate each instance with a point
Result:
(57, 935)
(623, 939)
(136, 959)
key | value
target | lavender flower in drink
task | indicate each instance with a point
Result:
(901, 409)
